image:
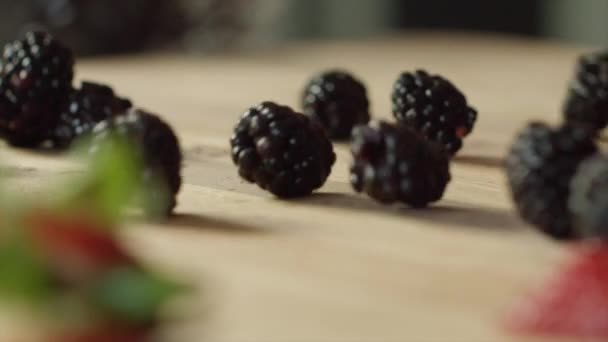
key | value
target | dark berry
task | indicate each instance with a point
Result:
(87, 106)
(540, 168)
(338, 101)
(587, 100)
(435, 107)
(393, 163)
(282, 151)
(159, 146)
(35, 81)
(589, 199)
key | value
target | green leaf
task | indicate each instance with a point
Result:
(154, 197)
(133, 295)
(111, 182)
(23, 276)
(116, 181)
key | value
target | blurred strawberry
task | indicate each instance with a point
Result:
(107, 334)
(77, 247)
(63, 261)
(574, 304)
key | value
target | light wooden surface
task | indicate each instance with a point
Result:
(337, 267)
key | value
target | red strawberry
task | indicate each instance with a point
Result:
(76, 246)
(574, 304)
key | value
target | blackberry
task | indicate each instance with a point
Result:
(35, 80)
(587, 99)
(435, 107)
(338, 101)
(159, 147)
(394, 163)
(87, 106)
(540, 167)
(589, 199)
(282, 151)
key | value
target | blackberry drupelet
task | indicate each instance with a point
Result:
(540, 167)
(284, 152)
(394, 163)
(338, 101)
(35, 81)
(434, 106)
(589, 198)
(587, 99)
(87, 106)
(159, 146)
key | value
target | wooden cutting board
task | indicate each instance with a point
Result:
(337, 266)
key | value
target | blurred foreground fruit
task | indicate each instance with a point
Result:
(574, 304)
(157, 149)
(62, 260)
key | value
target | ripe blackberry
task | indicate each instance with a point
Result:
(338, 101)
(282, 151)
(589, 199)
(587, 100)
(394, 163)
(35, 80)
(434, 106)
(87, 106)
(540, 167)
(159, 146)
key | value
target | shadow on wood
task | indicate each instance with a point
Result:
(449, 215)
(194, 221)
(470, 217)
(484, 161)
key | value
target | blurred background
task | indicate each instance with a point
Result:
(118, 26)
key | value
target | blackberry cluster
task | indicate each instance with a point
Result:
(159, 147)
(338, 101)
(284, 152)
(589, 198)
(86, 107)
(35, 80)
(540, 168)
(587, 100)
(435, 107)
(394, 163)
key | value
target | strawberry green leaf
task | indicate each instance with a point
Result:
(23, 276)
(154, 197)
(111, 182)
(133, 295)
(116, 181)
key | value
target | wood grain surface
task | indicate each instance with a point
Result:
(337, 267)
